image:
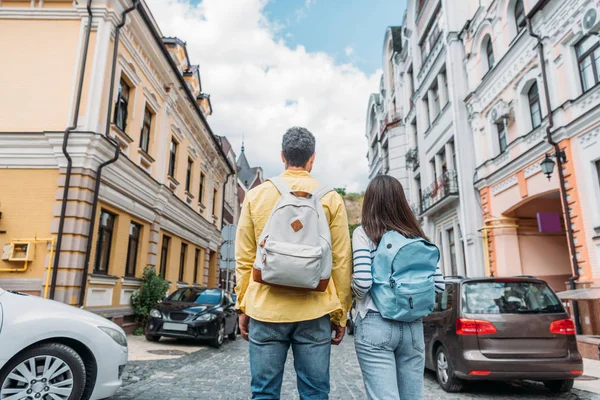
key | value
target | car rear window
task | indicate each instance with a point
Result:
(204, 296)
(505, 297)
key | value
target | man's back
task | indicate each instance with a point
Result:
(275, 304)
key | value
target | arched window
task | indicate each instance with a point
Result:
(519, 15)
(489, 51)
(534, 106)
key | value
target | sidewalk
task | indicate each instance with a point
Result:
(591, 370)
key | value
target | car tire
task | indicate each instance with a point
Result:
(233, 335)
(561, 386)
(218, 341)
(444, 372)
(56, 352)
(152, 338)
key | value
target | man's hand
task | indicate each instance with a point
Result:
(244, 324)
(339, 334)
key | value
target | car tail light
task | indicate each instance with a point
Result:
(480, 373)
(563, 327)
(466, 326)
(577, 372)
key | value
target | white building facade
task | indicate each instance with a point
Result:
(434, 150)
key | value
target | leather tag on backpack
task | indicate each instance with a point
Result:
(297, 225)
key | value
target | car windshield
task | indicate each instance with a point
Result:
(504, 297)
(198, 296)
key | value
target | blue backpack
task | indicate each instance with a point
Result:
(403, 277)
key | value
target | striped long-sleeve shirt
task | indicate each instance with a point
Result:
(362, 279)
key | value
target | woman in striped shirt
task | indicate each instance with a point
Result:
(391, 354)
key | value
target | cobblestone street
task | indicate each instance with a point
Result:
(224, 374)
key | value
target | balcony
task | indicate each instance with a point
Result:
(440, 193)
(389, 119)
(412, 158)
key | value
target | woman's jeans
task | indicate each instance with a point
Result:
(391, 355)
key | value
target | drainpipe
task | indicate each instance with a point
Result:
(559, 155)
(106, 163)
(63, 209)
(223, 200)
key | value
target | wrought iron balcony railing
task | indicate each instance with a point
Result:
(441, 189)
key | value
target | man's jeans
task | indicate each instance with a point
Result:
(311, 345)
(391, 355)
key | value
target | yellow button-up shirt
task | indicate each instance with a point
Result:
(276, 304)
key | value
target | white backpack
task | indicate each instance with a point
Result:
(294, 248)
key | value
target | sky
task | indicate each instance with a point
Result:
(272, 64)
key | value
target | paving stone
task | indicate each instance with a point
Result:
(218, 374)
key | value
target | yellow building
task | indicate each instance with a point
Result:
(160, 204)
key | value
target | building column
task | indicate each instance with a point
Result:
(441, 79)
(206, 266)
(458, 243)
(153, 239)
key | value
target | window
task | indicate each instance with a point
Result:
(489, 51)
(519, 15)
(436, 100)
(598, 171)
(145, 137)
(188, 175)
(122, 105)
(427, 116)
(201, 191)
(430, 37)
(588, 58)
(164, 256)
(104, 243)
(502, 136)
(214, 207)
(182, 261)
(452, 249)
(132, 249)
(420, 5)
(507, 297)
(534, 106)
(443, 301)
(199, 296)
(196, 264)
(172, 158)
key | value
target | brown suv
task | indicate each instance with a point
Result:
(501, 329)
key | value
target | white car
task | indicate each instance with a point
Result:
(53, 351)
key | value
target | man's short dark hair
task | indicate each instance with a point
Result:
(298, 146)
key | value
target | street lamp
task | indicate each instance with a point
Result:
(547, 164)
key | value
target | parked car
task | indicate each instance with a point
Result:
(501, 329)
(194, 313)
(50, 350)
(351, 315)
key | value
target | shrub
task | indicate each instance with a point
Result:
(151, 292)
(139, 331)
(354, 197)
(341, 191)
(352, 227)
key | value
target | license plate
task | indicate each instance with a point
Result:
(167, 326)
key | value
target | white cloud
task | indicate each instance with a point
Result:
(349, 51)
(260, 87)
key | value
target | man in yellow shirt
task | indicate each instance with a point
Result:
(273, 318)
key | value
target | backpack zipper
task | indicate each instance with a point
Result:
(392, 282)
(410, 302)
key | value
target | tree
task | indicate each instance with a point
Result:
(341, 191)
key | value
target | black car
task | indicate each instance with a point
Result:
(194, 313)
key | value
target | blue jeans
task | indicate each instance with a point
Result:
(311, 346)
(391, 355)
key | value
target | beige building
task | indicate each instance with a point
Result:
(160, 204)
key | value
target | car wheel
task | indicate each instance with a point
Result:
(152, 338)
(218, 341)
(445, 372)
(233, 334)
(50, 370)
(562, 386)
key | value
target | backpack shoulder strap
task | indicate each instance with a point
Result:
(280, 185)
(321, 191)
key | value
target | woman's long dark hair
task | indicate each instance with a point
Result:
(385, 208)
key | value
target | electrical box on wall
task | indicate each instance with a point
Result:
(18, 251)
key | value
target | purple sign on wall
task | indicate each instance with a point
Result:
(549, 222)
